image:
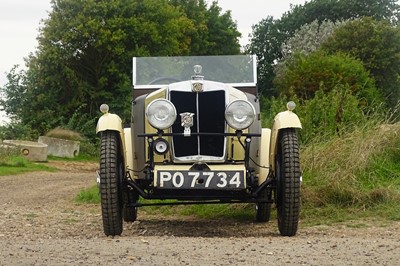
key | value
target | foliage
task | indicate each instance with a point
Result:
(13, 94)
(305, 75)
(377, 45)
(88, 150)
(214, 30)
(326, 115)
(17, 131)
(309, 37)
(269, 34)
(85, 52)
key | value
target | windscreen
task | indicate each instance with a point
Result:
(237, 70)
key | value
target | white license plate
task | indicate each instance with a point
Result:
(200, 180)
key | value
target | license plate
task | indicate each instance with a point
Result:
(200, 180)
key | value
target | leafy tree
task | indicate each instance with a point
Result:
(266, 43)
(214, 30)
(13, 94)
(269, 34)
(377, 45)
(85, 51)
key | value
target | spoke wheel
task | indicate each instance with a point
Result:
(111, 174)
(288, 176)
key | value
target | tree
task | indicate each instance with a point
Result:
(266, 44)
(306, 40)
(377, 45)
(214, 30)
(13, 94)
(309, 37)
(269, 35)
(85, 52)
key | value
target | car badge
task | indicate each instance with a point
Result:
(197, 87)
(187, 123)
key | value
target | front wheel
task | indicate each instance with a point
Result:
(111, 175)
(288, 177)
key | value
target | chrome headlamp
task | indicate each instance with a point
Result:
(161, 114)
(240, 114)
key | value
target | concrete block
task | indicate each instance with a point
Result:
(33, 151)
(60, 147)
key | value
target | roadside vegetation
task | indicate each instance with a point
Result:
(11, 163)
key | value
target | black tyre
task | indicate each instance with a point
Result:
(129, 212)
(111, 174)
(263, 209)
(288, 178)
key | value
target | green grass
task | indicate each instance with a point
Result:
(239, 212)
(90, 195)
(12, 165)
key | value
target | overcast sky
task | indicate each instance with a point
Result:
(20, 20)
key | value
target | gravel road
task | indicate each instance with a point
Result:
(41, 225)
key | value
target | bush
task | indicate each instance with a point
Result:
(326, 115)
(18, 131)
(305, 75)
(377, 45)
(89, 149)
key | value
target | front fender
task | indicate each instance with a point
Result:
(109, 122)
(282, 120)
(286, 119)
(113, 122)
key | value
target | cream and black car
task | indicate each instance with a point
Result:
(196, 137)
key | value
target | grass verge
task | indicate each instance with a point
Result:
(12, 165)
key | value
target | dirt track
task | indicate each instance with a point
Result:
(41, 225)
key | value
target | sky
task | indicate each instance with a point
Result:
(20, 21)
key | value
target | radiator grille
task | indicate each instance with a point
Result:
(209, 110)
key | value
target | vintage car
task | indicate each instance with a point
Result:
(196, 137)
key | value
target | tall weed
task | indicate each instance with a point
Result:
(360, 168)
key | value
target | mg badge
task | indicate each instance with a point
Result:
(187, 123)
(197, 87)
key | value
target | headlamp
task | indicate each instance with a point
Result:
(240, 114)
(161, 114)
